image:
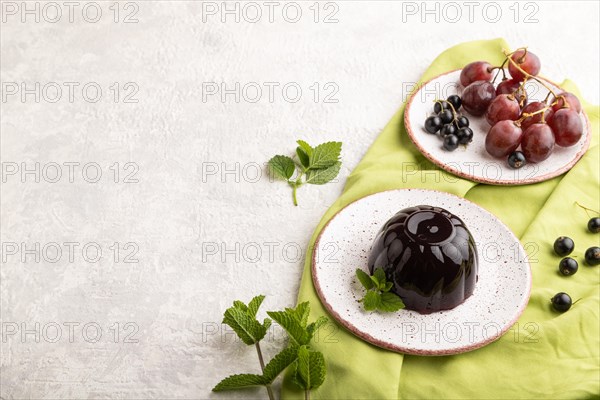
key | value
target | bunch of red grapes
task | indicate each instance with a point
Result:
(536, 127)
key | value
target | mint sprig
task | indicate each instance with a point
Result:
(310, 370)
(308, 365)
(378, 296)
(242, 319)
(316, 166)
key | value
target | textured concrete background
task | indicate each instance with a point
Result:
(202, 221)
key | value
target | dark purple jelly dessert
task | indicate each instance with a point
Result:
(429, 255)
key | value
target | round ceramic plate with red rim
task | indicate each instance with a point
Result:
(473, 162)
(500, 296)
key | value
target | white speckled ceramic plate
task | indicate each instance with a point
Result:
(473, 161)
(499, 298)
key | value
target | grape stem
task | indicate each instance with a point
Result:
(527, 115)
(500, 69)
(454, 113)
(527, 75)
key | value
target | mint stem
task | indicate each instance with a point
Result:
(307, 394)
(262, 368)
(294, 187)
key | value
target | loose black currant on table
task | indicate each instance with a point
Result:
(563, 246)
(561, 302)
(568, 266)
(451, 142)
(516, 159)
(433, 124)
(446, 116)
(455, 101)
(594, 225)
(465, 135)
(592, 256)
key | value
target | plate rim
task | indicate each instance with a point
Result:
(407, 350)
(491, 181)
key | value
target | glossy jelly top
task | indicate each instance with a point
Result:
(429, 255)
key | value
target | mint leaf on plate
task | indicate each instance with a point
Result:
(390, 302)
(378, 296)
(371, 300)
(365, 279)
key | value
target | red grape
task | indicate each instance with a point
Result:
(476, 71)
(537, 118)
(567, 127)
(572, 101)
(511, 86)
(503, 107)
(503, 138)
(528, 62)
(477, 97)
(538, 142)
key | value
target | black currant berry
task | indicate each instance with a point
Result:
(441, 105)
(516, 159)
(568, 266)
(465, 135)
(455, 101)
(446, 116)
(563, 246)
(462, 122)
(594, 225)
(592, 256)
(446, 130)
(561, 302)
(451, 142)
(433, 124)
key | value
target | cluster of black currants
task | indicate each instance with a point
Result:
(564, 246)
(448, 124)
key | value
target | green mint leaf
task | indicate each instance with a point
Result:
(244, 325)
(267, 324)
(240, 381)
(318, 369)
(378, 277)
(282, 167)
(302, 311)
(372, 300)
(292, 325)
(323, 176)
(364, 278)
(240, 305)
(313, 327)
(316, 166)
(325, 155)
(254, 305)
(305, 146)
(387, 287)
(310, 370)
(390, 302)
(279, 363)
(303, 157)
